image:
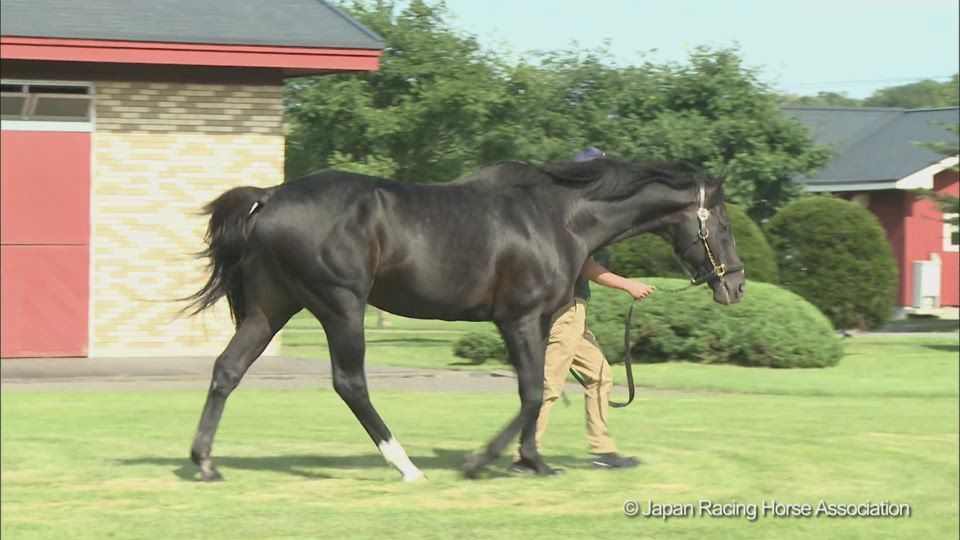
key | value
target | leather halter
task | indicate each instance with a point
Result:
(703, 234)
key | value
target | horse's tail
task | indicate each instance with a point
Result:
(226, 239)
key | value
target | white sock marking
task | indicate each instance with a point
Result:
(396, 456)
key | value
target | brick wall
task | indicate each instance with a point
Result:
(161, 151)
(190, 108)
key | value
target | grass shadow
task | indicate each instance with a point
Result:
(305, 466)
(410, 341)
(492, 366)
(953, 347)
(406, 342)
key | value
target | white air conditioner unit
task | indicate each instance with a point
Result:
(926, 283)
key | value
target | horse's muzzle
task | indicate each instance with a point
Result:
(730, 288)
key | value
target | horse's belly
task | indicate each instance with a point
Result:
(433, 302)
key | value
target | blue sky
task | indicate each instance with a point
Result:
(801, 46)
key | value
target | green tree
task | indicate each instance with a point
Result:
(833, 99)
(441, 107)
(719, 113)
(417, 119)
(558, 103)
(948, 204)
(711, 110)
(918, 95)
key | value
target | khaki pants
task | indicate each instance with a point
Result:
(572, 344)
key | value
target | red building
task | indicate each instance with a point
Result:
(120, 119)
(877, 165)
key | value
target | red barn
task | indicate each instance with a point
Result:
(877, 165)
(120, 119)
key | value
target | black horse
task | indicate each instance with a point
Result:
(504, 245)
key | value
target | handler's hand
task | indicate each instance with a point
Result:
(639, 290)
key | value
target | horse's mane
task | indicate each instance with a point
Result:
(605, 178)
(504, 175)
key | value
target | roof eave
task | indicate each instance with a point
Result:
(189, 54)
(922, 179)
(832, 186)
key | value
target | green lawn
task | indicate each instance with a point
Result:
(882, 426)
(405, 343)
(873, 365)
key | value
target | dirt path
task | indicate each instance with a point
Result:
(276, 372)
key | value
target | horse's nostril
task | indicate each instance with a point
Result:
(740, 288)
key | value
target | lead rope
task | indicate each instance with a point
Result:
(627, 360)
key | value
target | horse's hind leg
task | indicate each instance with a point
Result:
(344, 328)
(263, 320)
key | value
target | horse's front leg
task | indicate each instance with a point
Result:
(526, 346)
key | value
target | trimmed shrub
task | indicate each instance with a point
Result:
(480, 347)
(835, 254)
(645, 255)
(648, 255)
(771, 327)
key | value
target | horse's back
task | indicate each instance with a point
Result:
(447, 251)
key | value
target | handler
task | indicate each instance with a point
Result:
(572, 344)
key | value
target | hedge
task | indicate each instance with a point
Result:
(771, 327)
(835, 254)
(480, 347)
(648, 255)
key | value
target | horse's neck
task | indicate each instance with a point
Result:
(600, 223)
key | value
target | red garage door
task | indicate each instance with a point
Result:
(45, 243)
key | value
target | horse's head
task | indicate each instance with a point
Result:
(703, 241)
(677, 201)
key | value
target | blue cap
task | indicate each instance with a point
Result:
(588, 153)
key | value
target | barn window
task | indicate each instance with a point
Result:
(46, 102)
(951, 233)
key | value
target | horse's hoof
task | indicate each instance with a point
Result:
(212, 475)
(546, 470)
(419, 479)
(472, 469)
(534, 466)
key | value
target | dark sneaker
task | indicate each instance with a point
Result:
(613, 460)
(522, 467)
